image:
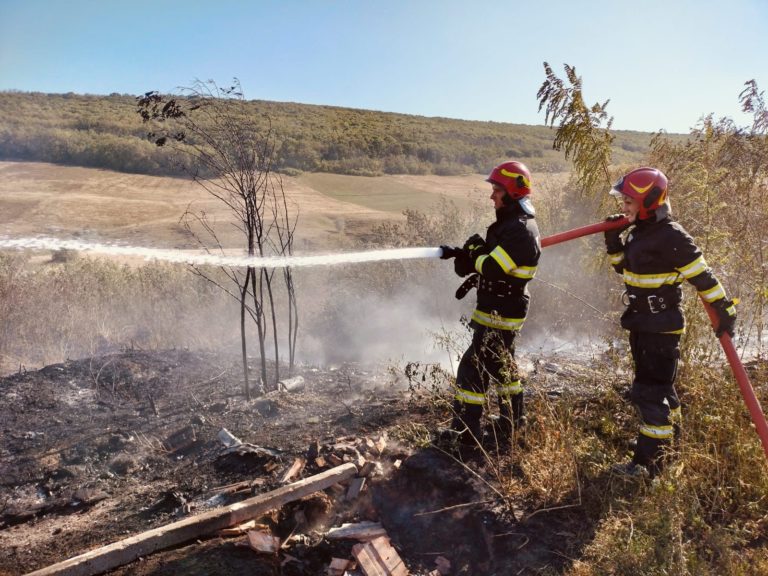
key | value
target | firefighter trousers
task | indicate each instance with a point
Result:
(488, 361)
(653, 393)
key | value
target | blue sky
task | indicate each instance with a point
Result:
(663, 64)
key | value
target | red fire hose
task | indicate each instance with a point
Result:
(747, 392)
(583, 231)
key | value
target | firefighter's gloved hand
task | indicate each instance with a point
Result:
(726, 316)
(475, 245)
(463, 265)
(449, 252)
(474, 241)
(613, 241)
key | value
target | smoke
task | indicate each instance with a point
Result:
(376, 306)
(378, 328)
(356, 318)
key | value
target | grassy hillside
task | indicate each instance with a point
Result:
(106, 132)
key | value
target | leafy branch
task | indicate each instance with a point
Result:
(580, 132)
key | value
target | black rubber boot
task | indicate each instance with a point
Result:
(466, 423)
(649, 452)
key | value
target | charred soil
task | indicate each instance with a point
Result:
(96, 450)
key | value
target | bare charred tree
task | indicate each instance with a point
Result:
(231, 156)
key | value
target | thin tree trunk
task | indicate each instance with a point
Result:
(258, 302)
(293, 319)
(243, 341)
(268, 280)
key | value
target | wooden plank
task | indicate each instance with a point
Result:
(338, 566)
(379, 558)
(355, 485)
(358, 531)
(127, 550)
(240, 529)
(296, 467)
(367, 468)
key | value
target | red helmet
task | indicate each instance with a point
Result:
(648, 186)
(514, 177)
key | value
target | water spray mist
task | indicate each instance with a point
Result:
(197, 259)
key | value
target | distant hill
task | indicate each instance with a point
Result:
(106, 132)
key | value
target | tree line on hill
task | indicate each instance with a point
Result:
(106, 132)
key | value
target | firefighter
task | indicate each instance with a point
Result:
(500, 267)
(654, 254)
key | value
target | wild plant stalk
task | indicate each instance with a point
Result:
(580, 133)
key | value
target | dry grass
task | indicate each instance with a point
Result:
(706, 515)
(84, 307)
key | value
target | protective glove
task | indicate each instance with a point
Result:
(448, 252)
(613, 241)
(462, 264)
(475, 245)
(726, 316)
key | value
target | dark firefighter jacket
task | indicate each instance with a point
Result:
(654, 259)
(513, 249)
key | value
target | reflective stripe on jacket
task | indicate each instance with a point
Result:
(514, 251)
(656, 258)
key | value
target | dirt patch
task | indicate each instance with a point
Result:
(101, 205)
(98, 449)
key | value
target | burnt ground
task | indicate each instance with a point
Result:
(94, 450)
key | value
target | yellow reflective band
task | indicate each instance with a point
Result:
(694, 268)
(524, 272)
(616, 258)
(496, 321)
(510, 389)
(640, 190)
(526, 182)
(503, 259)
(479, 263)
(681, 331)
(650, 280)
(715, 293)
(469, 397)
(658, 432)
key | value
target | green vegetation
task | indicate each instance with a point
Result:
(105, 132)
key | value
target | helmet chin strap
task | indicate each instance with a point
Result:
(660, 213)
